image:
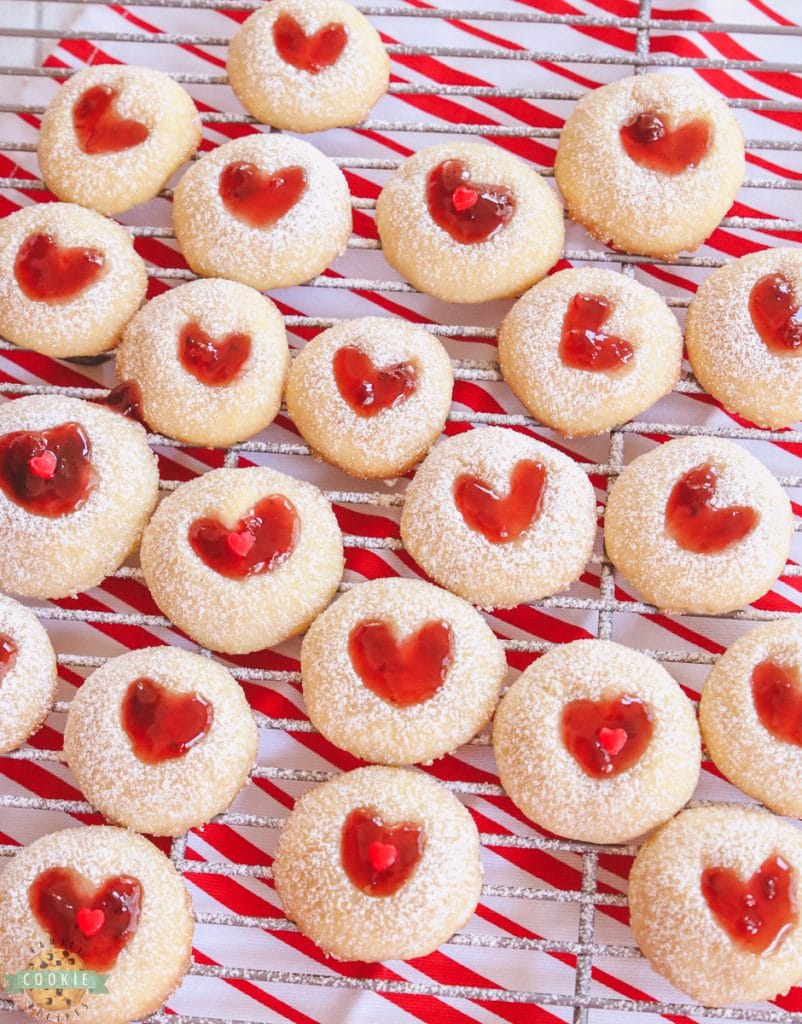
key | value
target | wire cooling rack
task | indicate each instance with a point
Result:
(557, 949)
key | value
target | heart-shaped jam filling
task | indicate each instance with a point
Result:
(502, 519)
(162, 725)
(777, 696)
(98, 126)
(259, 198)
(215, 363)
(369, 390)
(469, 211)
(695, 523)
(776, 314)
(308, 53)
(96, 923)
(583, 345)
(48, 272)
(8, 655)
(404, 672)
(379, 858)
(649, 141)
(126, 399)
(46, 472)
(606, 737)
(259, 543)
(758, 913)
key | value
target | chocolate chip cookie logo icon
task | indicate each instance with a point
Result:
(56, 982)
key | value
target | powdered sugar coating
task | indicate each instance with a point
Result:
(674, 926)
(114, 182)
(299, 245)
(346, 923)
(682, 581)
(509, 262)
(171, 797)
(151, 965)
(581, 402)
(47, 557)
(281, 95)
(390, 443)
(550, 786)
(241, 615)
(176, 403)
(28, 687)
(548, 556)
(89, 323)
(727, 354)
(632, 207)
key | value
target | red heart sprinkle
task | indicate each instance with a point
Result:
(612, 740)
(241, 543)
(44, 465)
(90, 921)
(464, 198)
(382, 855)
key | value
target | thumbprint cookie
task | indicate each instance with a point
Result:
(307, 65)
(208, 361)
(467, 222)
(399, 671)
(69, 280)
(714, 901)
(242, 559)
(596, 742)
(160, 740)
(650, 164)
(27, 674)
(499, 518)
(371, 395)
(267, 210)
(78, 482)
(588, 349)
(113, 134)
(379, 864)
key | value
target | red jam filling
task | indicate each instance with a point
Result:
(308, 53)
(775, 314)
(214, 363)
(606, 737)
(404, 672)
(8, 655)
(584, 345)
(126, 399)
(758, 913)
(47, 472)
(259, 543)
(379, 858)
(98, 126)
(777, 697)
(367, 389)
(469, 211)
(259, 198)
(693, 521)
(162, 725)
(502, 519)
(47, 272)
(95, 923)
(649, 141)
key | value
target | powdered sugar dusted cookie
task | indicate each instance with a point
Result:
(698, 525)
(379, 864)
(27, 674)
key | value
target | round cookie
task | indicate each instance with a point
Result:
(650, 164)
(209, 360)
(588, 349)
(458, 221)
(108, 900)
(744, 338)
(597, 742)
(242, 559)
(499, 518)
(371, 395)
(268, 210)
(69, 280)
(398, 671)
(113, 134)
(27, 674)
(698, 525)
(307, 65)
(709, 900)
(78, 482)
(379, 864)
(160, 740)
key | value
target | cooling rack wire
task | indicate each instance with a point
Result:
(494, 970)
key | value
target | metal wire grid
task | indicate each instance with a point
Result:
(585, 948)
